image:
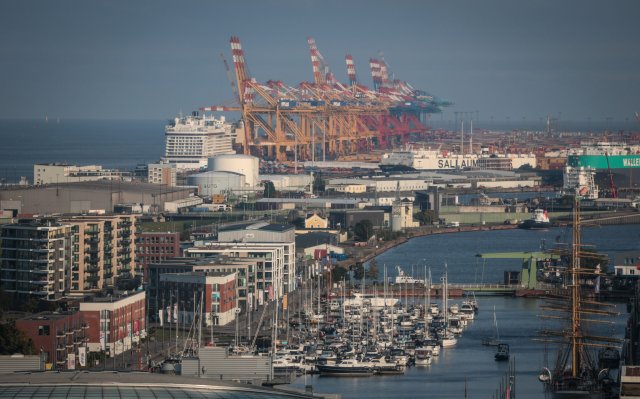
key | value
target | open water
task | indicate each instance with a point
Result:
(120, 144)
(517, 318)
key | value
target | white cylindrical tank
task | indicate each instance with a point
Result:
(211, 183)
(246, 165)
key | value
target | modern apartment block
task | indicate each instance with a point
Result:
(244, 270)
(103, 251)
(274, 273)
(264, 235)
(153, 247)
(215, 291)
(162, 173)
(35, 258)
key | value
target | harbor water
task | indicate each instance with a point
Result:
(517, 318)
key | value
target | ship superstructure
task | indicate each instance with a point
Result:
(411, 159)
(191, 140)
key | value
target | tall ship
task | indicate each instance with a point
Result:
(191, 140)
(417, 159)
(581, 369)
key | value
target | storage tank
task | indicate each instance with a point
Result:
(212, 183)
(246, 165)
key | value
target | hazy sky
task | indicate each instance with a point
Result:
(152, 59)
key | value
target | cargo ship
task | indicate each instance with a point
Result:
(417, 159)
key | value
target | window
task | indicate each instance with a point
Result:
(43, 330)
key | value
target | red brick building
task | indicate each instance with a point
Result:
(61, 338)
(217, 289)
(114, 323)
(156, 247)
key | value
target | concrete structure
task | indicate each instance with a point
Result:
(402, 215)
(215, 182)
(114, 323)
(216, 363)
(315, 221)
(54, 173)
(154, 247)
(216, 380)
(246, 165)
(181, 204)
(162, 173)
(60, 336)
(244, 268)
(35, 258)
(217, 290)
(288, 182)
(383, 184)
(85, 196)
(348, 188)
(103, 250)
(317, 203)
(321, 251)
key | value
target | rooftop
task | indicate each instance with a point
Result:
(128, 385)
(257, 226)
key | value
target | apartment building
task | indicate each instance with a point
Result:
(35, 258)
(103, 251)
(162, 173)
(154, 247)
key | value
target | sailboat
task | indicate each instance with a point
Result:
(448, 339)
(577, 372)
(495, 340)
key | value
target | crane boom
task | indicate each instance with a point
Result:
(612, 186)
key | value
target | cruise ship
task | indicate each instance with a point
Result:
(410, 159)
(191, 140)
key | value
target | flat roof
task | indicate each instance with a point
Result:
(257, 226)
(48, 316)
(116, 385)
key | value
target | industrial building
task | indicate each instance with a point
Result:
(54, 173)
(86, 196)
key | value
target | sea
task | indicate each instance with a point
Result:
(469, 362)
(122, 144)
(119, 144)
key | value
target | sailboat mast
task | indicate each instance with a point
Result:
(575, 291)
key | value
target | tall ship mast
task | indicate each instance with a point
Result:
(578, 371)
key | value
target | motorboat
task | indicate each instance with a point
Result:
(347, 368)
(503, 352)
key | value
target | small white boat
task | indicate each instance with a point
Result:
(423, 357)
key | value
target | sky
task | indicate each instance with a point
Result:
(124, 59)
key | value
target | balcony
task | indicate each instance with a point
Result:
(92, 232)
(125, 242)
(92, 279)
(92, 259)
(92, 269)
(91, 240)
(61, 348)
(59, 334)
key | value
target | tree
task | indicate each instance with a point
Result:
(363, 230)
(358, 271)
(318, 183)
(338, 274)
(372, 272)
(269, 190)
